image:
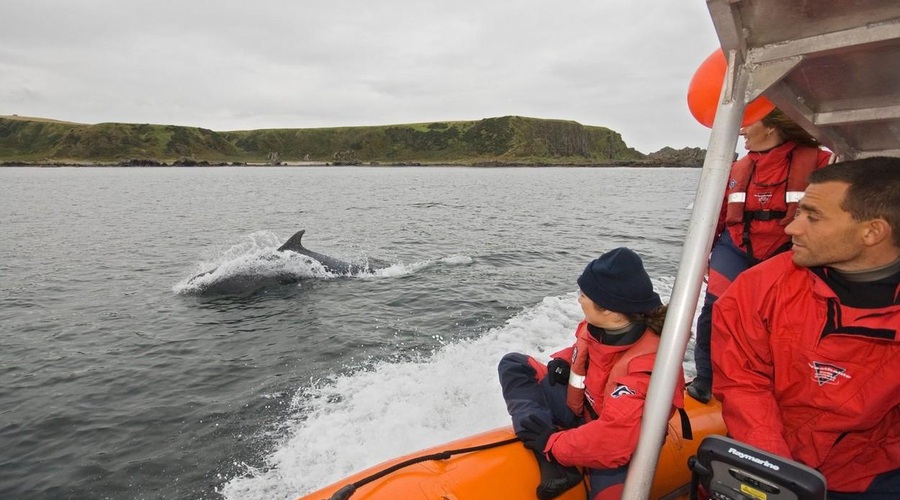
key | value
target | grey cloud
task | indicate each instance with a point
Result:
(230, 64)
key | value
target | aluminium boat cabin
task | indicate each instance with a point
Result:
(833, 66)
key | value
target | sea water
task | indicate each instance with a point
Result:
(120, 379)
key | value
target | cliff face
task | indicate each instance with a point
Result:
(560, 139)
(685, 157)
(503, 140)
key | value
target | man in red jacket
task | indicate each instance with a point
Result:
(806, 346)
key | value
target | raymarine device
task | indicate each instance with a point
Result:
(726, 469)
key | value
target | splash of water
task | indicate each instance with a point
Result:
(350, 422)
(256, 261)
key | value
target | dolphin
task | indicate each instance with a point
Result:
(251, 281)
(332, 265)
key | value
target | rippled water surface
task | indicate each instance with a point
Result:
(119, 379)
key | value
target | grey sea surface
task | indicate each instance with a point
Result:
(118, 379)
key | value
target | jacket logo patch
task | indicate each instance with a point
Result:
(732, 183)
(763, 198)
(826, 373)
(622, 390)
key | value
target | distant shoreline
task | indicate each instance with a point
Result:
(325, 164)
(507, 141)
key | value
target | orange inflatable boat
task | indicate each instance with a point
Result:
(494, 464)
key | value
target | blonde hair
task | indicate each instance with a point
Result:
(789, 130)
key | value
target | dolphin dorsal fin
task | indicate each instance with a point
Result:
(293, 243)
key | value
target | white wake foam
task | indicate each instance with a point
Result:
(351, 422)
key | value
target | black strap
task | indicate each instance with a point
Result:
(764, 215)
(686, 431)
(590, 409)
(745, 238)
(350, 489)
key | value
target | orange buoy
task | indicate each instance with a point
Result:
(706, 87)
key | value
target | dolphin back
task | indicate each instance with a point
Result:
(293, 243)
(243, 282)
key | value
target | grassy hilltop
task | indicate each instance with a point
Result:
(504, 140)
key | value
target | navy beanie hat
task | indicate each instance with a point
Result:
(618, 282)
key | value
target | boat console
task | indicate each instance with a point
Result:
(725, 469)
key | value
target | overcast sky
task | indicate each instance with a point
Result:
(235, 65)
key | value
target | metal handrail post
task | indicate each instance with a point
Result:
(686, 290)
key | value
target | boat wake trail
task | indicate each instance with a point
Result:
(386, 408)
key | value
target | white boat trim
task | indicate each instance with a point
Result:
(834, 68)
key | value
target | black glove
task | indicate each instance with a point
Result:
(535, 434)
(558, 371)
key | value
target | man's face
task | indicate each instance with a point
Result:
(824, 234)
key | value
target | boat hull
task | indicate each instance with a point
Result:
(510, 471)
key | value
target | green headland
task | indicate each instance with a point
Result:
(503, 141)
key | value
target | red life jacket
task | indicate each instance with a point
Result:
(803, 160)
(575, 398)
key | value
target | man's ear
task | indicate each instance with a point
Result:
(876, 231)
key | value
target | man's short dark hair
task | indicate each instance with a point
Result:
(874, 191)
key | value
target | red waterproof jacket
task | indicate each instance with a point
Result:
(610, 440)
(801, 375)
(768, 181)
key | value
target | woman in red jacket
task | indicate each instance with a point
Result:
(760, 200)
(597, 397)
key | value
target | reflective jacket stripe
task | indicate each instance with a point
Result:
(737, 198)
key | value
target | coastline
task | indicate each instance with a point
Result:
(509, 141)
(301, 164)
